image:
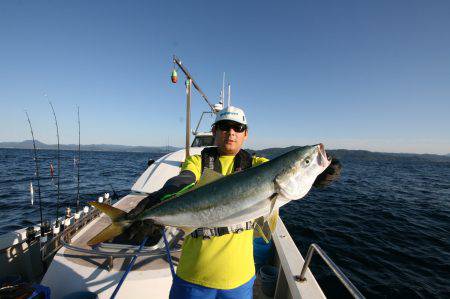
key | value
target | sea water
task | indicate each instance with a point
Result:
(385, 223)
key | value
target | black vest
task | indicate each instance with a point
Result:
(210, 159)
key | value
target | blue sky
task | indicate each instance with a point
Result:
(351, 74)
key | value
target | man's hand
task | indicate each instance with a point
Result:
(139, 229)
(330, 174)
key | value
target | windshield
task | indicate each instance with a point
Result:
(203, 141)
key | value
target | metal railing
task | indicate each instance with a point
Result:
(147, 253)
(336, 270)
(56, 242)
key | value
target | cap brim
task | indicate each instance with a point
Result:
(229, 120)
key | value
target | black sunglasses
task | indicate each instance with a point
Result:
(226, 126)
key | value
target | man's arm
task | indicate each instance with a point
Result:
(139, 229)
(190, 173)
(173, 185)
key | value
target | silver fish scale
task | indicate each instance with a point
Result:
(228, 196)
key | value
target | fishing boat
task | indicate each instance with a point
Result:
(69, 268)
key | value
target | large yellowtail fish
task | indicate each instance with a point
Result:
(218, 200)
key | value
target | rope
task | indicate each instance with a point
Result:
(169, 257)
(133, 260)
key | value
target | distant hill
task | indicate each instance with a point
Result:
(268, 152)
(356, 154)
(28, 144)
(271, 152)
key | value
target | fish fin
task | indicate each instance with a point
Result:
(273, 200)
(261, 232)
(108, 233)
(259, 221)
(187, 230)
(272, 220)
(268, 226)
(265, 226)
(208, 176)
(112, 212)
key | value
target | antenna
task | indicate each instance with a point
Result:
(59, 164)
(222, 95)
(229, 94)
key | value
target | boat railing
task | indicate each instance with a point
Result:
(110, 250)
(200, 120)
(336, 270)
(55, 243)
(51, 245)
(99, 250)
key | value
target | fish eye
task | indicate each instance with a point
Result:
(307, 161)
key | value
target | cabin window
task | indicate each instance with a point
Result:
(200, 141)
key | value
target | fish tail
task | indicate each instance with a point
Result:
(115, 229)
(108, 233)
(113, 213)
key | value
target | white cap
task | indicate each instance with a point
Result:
(231, 113)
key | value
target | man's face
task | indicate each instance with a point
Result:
(228, 138)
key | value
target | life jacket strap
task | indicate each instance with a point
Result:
(210, 159)
(207, 233)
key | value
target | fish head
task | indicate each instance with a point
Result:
(303, 165)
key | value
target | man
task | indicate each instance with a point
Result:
(215, 263)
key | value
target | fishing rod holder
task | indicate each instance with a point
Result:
(336, 270)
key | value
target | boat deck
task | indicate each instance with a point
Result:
(142, 264)
(72, 271)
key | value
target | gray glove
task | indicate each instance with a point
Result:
(330, 174)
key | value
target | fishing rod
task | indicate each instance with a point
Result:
(58, 158)
(37, 169)
(78, 162)
(114, 195)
